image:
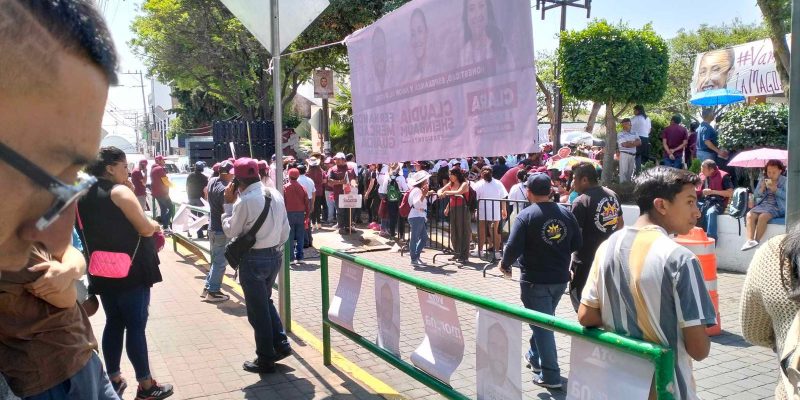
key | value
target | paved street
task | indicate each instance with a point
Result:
(200, 347)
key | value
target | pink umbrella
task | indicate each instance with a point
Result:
(758, 158)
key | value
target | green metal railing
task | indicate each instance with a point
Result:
(663, 358)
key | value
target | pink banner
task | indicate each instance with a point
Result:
(444, 78)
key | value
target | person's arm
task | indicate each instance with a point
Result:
(666, 147)
(683, 144)
(589, 317)
(711, 146)
(515, 244)
(124, 198)
(589, 314)
(756, 321)
(233, 221)
(578, 209)
(57, 285)
(696, 311)
(444, 190)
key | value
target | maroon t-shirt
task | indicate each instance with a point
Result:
(338, 173)
(509, 179)
(157, 186)
(675, 134)
(137, 177)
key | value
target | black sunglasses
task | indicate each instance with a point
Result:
(65, 195)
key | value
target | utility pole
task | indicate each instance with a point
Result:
(144, 108)
(545, 5)
(793, 172)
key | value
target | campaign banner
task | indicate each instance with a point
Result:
(444, 78)
(343, 304)
(748, 68)
(350, 200)
(387, 307)
(498, 346)
(595, 373)
(323, 83)
(442, 349)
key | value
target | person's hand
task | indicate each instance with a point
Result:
(156, 226)
(57, 277)
(772, 185)
(129, 184)
(447, 211)
(503, 213)
(671, 156)
(230, 193)
(707, 192)
(723, 154)
(506, 270)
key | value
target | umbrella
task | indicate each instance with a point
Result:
(576, 137)
(717, 97)
(569, 162)
(758, 158)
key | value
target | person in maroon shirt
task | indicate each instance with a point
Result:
(690, 152)
(675, 138)
(341, 179)
(297, 209)
(139, 180)
(159, 187)
(317, 175)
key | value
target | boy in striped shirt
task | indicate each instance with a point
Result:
(644, 285)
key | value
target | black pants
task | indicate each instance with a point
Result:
(394, 216)
(642, 153)
(372, 208)
(580, 271)
(320, 209)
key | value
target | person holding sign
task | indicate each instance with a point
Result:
(342, 179)
(545, 234)
(659, 281)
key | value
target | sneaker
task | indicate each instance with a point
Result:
(533, 366)
(204, 293)
(281, 354)
(119, 387)
(537, 380)
(498, 255)
(156, 392)
(217, 297)
(258, 367)
(416, 263)
(749, 245)
(475, 253)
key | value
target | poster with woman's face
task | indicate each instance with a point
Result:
(747, 68)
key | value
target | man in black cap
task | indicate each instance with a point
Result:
(545, 235)
(196, 184)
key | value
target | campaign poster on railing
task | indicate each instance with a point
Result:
(442, 349)
(595, 373)
(343, 304)
(387, 307)
(748, 68)
(444, 78)
(498, 346)
(185, 220)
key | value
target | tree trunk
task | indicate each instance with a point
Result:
(773, 14)
(593, 116)
(548, 102)
(611, 145)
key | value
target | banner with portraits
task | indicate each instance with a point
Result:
(343, 305)
(748, 68)
(498, 347)
(442, 349)
(387, 307)
(595, 373)
(443, 78)
(323, 83)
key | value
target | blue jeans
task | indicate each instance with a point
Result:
(165, 207)
(331, 207)
(257, 273)
(217, 240)
(676, 163)
(126, 318)
(710, 221)
(703, 155)
(91, 382)
(543, 298)
(419, 237)
(297, 223)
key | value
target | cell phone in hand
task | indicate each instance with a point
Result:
(768, 181)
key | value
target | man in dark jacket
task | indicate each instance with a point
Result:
(196, 184)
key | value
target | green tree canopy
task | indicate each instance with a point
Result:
(758, 125)
(615, 65)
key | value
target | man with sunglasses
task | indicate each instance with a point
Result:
(56, 66)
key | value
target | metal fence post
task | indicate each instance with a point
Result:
(326, 330)
(287, 258)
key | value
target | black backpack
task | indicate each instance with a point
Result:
(737, 208)
(472, 202)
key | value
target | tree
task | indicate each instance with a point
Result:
(778, 16)
(758, 125)
(615, 65)
(546, 81)
(683, 50)
(199, 44)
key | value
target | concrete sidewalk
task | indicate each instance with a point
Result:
(200, 347)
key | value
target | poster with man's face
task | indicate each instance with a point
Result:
(497, 360)
(323, 83)
(343, 305)
(387, 307)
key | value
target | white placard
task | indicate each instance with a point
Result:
(442, 349)
(350, 200)
(185, 220)
(343, 305)
(596, 373)
(498, 346)
(441, 78)
(387, 306)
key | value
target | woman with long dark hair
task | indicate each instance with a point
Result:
(113, 221)
(483, 39)
(766, 308)
(770, 202)
(457, 188)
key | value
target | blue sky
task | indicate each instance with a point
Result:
(667, 16)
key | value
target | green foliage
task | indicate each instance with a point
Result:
(649, 164)
(695, 167)
(342, 138)
(546, 72)
(624, 192)
(177, 127)
(291, 119)
(613, 63)
(658, 123)
(759, 125)
(341, 129)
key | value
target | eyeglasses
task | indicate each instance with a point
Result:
(65, 195)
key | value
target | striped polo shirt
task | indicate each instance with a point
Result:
(648, 287)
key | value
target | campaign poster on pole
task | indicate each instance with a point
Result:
(323, 83)
(350, 200)
(343, 304)
(498, 347)
(443, 78)
(748, 68)
(442, 349)
(595, 373)
(387, 306)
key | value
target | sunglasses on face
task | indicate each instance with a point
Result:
(65, 195)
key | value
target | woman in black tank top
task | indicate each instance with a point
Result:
(113, 221)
